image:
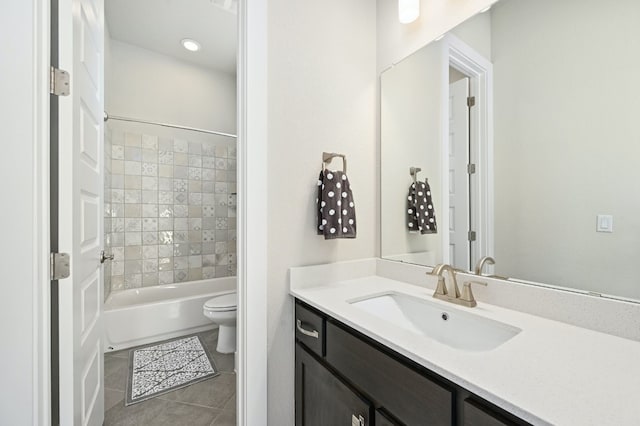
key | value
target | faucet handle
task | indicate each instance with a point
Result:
(467, 294)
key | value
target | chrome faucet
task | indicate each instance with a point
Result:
(453, 294)
(487, 259)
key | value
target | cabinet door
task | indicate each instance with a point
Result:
(322, 399)
(476, 414)
(384, 419)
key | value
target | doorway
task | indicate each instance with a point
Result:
(460, 143)
(468, 153)
(171, 191)
(81, 39)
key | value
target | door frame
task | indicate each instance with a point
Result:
(252, 231)
(41, 214)
(252, 222)
(459, 55)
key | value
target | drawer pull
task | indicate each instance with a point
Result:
(310, 333)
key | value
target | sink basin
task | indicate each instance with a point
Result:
(452, 327)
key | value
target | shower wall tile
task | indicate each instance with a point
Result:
(109, 221)
(169, 212)
(150, 279)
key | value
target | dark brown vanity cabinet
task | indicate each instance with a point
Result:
(343, 376)
(323, 399)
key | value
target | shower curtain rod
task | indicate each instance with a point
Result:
(173, 126)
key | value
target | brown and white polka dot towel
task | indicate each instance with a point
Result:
(335, 207)
(421, 216)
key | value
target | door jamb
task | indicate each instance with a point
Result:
(252, 223)
(41, 215)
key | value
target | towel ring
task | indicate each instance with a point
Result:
(328, 156)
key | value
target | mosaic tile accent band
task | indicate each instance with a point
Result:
(161, 368)
(172, 210)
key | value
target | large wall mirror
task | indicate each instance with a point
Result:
(522, 127)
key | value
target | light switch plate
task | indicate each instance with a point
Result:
(604, 223)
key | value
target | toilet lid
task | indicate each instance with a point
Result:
(226, 302)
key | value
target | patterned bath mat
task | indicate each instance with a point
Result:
(167, 366)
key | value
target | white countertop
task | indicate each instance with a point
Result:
(550, 373)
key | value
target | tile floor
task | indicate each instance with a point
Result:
(208, 403)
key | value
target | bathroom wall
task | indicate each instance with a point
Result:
(396, 41)
(476, 32)
(322, 97)
(148, 85)
(107, 266)
(172, 192)
(106, 269)
(592, 122)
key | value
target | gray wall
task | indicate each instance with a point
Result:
(322, 85)
(566, 142)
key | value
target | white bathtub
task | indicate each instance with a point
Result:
(139, 316)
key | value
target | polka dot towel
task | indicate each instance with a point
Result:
(421, 215)
(335, 207)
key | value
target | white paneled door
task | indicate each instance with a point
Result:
(81, 157)
(459, 249)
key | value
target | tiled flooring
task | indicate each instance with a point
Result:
(208, 403)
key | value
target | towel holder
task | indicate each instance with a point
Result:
(413, 171)
(328, 156)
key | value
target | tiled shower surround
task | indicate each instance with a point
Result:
(172, 209)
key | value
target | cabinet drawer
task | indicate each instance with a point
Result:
(309, 328)
(408, 395)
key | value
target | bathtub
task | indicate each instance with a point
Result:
(145, 315)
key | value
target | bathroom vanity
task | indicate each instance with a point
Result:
(342, 374)
(373, 349)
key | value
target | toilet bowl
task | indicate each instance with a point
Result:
(222, 311)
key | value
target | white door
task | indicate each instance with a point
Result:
(459, 248)
(81, 158)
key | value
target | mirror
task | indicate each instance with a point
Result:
(540, 170)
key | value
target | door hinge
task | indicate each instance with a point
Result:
(59, 82)
(471, 101)
(357, 421)
(471, 168)
(60, 266)
(472, 235)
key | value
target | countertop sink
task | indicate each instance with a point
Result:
(450, 326)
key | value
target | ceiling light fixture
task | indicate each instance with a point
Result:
(190, 45)
(408, 10)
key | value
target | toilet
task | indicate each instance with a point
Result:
(222, 311)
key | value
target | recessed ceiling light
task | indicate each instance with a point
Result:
(190, 45)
